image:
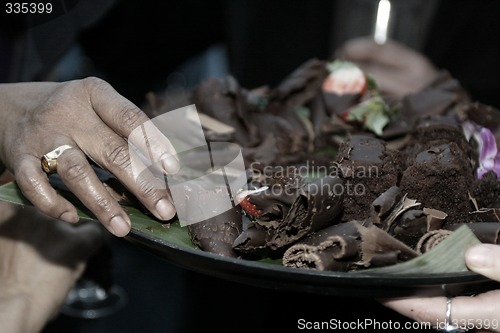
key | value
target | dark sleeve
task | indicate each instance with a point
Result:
(31, 44)
(139, 43)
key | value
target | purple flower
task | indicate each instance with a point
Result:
(489, 156)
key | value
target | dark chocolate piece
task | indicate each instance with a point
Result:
(223, 99)
(335, 248)
(217, 234)
(302, 84)
(317, 206)
(378, 248)
(252, 242)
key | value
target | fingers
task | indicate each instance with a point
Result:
(79, 177)
(430, 310)
(105, 121)
(480, 311)
(35, 186)
(484, 259)
(125, 165)
(126, 119)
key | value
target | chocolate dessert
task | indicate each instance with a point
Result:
(444, 171)
(398, 177)
(368, 169)
(288, 211)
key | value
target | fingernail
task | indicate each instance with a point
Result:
(479, 256)
(170, 164)
(70, 217)
(165, 209)
(118, 226)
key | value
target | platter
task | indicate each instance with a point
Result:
(171, 242)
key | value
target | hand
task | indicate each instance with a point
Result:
(40, 258)
(397, 69)
(482, 310)
(92, 118)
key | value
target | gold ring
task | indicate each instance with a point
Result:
(49, 160)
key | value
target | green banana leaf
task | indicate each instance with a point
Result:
(171, 232)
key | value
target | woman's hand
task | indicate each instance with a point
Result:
(96, 121)
(481, 311)
(397, 69)
(40, 258)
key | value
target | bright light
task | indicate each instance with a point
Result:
(382, 23)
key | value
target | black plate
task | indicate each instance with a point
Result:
(171, 242)
(278, 277)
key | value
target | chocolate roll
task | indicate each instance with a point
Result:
(334, 248)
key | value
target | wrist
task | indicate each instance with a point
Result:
(18, 313)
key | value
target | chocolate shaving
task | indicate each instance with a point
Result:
(386, 201)
(378, 248)
(431, 239)
(435, 218)
(316, 207)
(411, 226)
(333, 248)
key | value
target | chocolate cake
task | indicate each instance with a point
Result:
(344, 178)
(368, 169)
(444, 171)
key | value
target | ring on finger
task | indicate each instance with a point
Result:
(49, 160)
(449, 326)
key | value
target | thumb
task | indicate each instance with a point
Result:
(484, 259)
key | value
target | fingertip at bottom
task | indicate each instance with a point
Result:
(119, 227)
(70, 217)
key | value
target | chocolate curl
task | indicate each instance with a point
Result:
(274, 204)
(438, 98)
(412, 225)
(431, 239)
(384, 203)
(224, 100)
(486, 232)
(334, 248)
(378, 248)
(393, 212)
(302, 84)
(435, 218)
(277, 192)
(217, 234)
(317, 206)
